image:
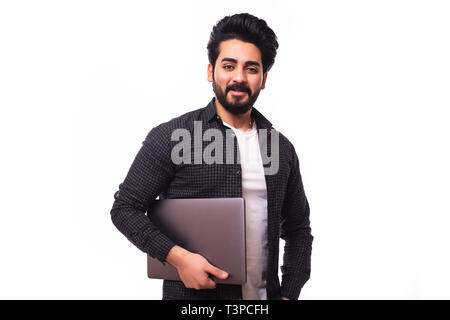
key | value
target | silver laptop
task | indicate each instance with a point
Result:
(212, 227)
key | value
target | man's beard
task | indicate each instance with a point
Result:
(235, 107)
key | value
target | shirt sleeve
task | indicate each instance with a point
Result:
(150, 173)
(296, 231)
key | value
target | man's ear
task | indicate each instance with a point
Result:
(264, 81)
(210, 72)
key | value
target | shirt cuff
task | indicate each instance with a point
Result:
(161, 247)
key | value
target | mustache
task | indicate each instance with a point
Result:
(239, 87)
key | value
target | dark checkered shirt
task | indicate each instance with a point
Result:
(153, 174)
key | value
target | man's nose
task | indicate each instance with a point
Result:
(239, 75)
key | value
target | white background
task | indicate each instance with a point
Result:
(361, 88)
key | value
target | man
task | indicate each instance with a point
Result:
(241, 51)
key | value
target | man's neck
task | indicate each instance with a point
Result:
(238, 121)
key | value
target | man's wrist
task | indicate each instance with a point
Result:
(176, 256)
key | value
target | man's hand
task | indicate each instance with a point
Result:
(194, 269)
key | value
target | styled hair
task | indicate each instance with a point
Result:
(247, 28)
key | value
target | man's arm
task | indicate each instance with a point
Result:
(149, 174)
(296, 231)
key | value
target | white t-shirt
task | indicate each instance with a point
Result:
(254, 193)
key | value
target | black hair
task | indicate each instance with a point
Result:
(247, 28)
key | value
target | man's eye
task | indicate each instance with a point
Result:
(228, 67)
(253, 70)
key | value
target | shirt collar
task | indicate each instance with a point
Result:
(209, 114)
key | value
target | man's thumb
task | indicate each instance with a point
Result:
(216, 272)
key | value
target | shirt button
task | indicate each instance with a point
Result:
(238, 172)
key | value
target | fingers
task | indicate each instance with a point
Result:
(195, 272)
(199, 282)
(216, 272)
(207, 282)
(210, 284)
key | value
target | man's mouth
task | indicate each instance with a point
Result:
(238, 92)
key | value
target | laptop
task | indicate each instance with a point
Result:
(212, 227)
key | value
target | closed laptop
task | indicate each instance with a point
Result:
(212, 227)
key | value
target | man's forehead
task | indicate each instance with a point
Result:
(239, 50)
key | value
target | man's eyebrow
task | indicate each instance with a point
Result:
(247, 63)
(229, 60)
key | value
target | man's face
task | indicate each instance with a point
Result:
(237, 76)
